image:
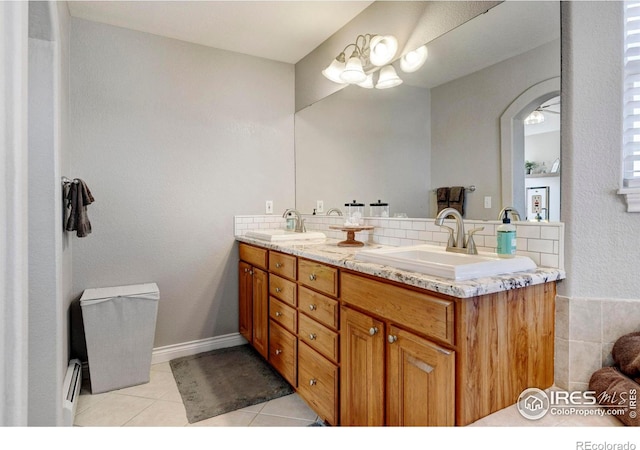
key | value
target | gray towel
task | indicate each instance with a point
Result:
(78, 197)
(443, 198)
(456, 199)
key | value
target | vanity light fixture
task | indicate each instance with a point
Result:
(534, 118)
(413, 60)
(370, 52)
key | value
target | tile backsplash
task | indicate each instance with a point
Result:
(542, 242)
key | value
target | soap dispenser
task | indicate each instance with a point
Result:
(506, 236)
(291, 222)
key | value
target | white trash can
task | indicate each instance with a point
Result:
(119, 328)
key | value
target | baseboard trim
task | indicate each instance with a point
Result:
(169, 352)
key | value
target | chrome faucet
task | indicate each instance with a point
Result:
(458, 243)
(336, 210)
(515, 215)
(300, 227)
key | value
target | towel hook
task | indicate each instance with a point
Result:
(66, 180)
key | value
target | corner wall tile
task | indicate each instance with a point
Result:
(585, 320)
(619, 317)
(584, 359)
(561, 363)
(562, 317)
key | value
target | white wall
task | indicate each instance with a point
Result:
(174, 139)
(467, 111)
(49, 252)
(599, 300)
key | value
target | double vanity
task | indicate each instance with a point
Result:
(397, 336)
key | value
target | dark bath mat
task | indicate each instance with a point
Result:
(219, 381)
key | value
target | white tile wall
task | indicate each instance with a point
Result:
(542, 242)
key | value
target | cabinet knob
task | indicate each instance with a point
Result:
(392, 338)
(313, 307)
(373, 330)
(278, 351)
(250, 272)
(312, 336)
(312, 277)
(246, 270)
(313, 382)
(278, 313)
(278, 290)
(278, 265)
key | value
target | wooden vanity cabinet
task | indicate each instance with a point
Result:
(361, 350)
(449, 362)
(390, 376)
(254, 297)
(283, 325)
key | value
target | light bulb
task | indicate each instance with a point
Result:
(415, 59)
(353, 72)
(368, 82)
(334, 70)
(382, 50)
(388, 78)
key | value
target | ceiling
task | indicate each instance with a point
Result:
(283, 31)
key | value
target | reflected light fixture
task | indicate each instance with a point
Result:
(413, 60)
(370, 52)
(388, 78)
(534, 118)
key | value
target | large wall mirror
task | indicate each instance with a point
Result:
(442, 126)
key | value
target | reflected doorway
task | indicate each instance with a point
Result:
(542, 162)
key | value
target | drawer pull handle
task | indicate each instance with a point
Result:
(392, 338)
(312, 277)
(278, 351)
(278, 290)
(313, 307)
(373, 330)
(278, 313)
(313, 336)
(313, 382)
(246, 270)
(278, 265)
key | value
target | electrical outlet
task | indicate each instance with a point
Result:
(487, 202)
(268, 207)
(319, 206)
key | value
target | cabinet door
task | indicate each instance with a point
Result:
(260, 312)
(362, 369)
(420, 381)
(245, 306)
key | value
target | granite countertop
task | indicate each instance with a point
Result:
(327, 251)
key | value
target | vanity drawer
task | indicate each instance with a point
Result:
(318, 383)
(282, 313)
(318, 276)
(283, 265)
(282, 352)
(323, 309)
(282, 289)
(255, 256)
(423, 313)
(319, 337)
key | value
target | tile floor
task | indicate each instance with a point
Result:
(158, 404)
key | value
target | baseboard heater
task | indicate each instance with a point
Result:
(71, 391)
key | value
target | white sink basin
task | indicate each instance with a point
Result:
(279, 235)
(436, 261)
